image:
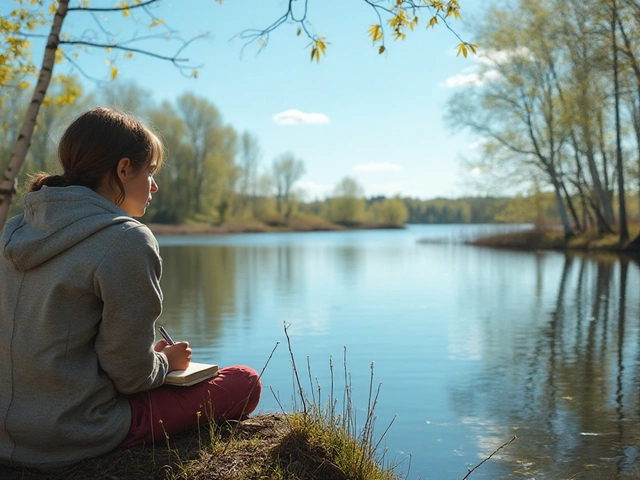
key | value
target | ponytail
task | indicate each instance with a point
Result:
(42, 179)
(45, 180)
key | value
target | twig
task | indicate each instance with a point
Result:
(332, 412)
(313, 398)
(295, 371)
(261, 373)
(494, 452)
(284, 414)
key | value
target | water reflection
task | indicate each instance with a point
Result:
(567, 387)
(473, 346)
(206, 287)
(199, 289)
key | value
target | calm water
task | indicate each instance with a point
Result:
(472, 346)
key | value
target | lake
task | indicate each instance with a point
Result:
(472, 345)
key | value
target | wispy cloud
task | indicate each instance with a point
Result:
(475, 76)
(472, 79)
(496, 57)
(376, 167)
(296, 117)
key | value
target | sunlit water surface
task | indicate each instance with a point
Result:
(472, 345)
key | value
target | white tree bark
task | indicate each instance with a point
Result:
(10, 177)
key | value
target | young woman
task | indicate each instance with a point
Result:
(79, 297)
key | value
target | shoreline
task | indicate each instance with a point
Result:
(547, 240)
(294, 225)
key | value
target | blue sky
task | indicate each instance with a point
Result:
(375, 118)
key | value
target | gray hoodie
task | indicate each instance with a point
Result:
(79, 296)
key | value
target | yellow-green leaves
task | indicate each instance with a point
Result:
(402, 17)
(375, 32)
(114, 72)
(71, 90)
(399, 22)
(464, 48)
(318, 48)
(15, 51)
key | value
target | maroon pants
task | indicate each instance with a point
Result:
(171, 410)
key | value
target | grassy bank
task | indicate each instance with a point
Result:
(314, 441)
(273, 447)
(591, 241)
(300, 223)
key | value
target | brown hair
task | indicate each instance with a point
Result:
(94, 143)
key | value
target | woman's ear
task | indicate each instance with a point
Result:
(124, 169)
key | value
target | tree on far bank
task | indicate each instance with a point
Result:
(249, 160)
(347, 204)
(287, 170)
(200, 175)
(390, 210)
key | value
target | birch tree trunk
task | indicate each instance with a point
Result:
(9, 182)
(624, 230)
(557, 188)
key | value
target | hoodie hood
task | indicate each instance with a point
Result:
(54, 220)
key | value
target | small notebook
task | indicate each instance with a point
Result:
(195, 373)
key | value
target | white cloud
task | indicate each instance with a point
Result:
(473, 79)
(496, 57)
(296, 117)
(375, 167)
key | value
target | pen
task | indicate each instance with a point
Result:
(166, 335)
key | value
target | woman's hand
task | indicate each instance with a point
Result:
(178, 354)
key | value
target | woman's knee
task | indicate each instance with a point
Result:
(243, 383)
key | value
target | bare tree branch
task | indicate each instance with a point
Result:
(117, 46)
(494, 452)
(112, 9)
